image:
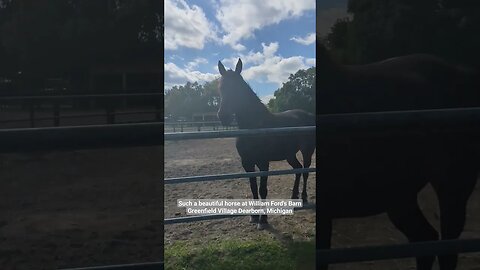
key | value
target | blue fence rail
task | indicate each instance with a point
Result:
(246, 175)
(130, 266)
(217, 177)
(457, 121)
(465, 121)
(30, 103)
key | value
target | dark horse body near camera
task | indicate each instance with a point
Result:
(237, 98)
(359, 177)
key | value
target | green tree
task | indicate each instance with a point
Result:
(59, 37)
(297, 93)
(383, 29)
(185, 100)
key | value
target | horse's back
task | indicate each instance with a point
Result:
(293, 118)
(417, 81)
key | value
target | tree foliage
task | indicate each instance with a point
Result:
(185, 100)
(54, 36)
(297, 93)
(382, 29)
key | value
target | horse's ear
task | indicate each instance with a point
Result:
(221, 68)
(238, 68)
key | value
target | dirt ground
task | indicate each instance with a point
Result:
(97, 207)
(216, 156)
(81, 208)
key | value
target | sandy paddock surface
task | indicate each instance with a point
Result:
(97, 207)
(81, 208)
(218, 156)
(204, 157)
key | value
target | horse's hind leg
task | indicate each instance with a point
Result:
(409, 219)
(453, 200)
(263, 166)
(250, 167)
(307, 161)
(293, 161)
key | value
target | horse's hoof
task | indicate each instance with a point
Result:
(262, 226)
(254, 219)
(304, 197)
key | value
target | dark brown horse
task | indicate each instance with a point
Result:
(362, 177)
(239, 100)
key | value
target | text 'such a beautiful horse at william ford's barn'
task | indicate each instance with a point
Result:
(369, 176)
(239, 100)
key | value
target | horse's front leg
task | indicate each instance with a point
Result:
(263, 166)
(250, 167)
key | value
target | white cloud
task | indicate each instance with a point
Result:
(175, 75)
(268, 50)
(186, 26)
(307, 40)
(276, 69)
(311, 61)
(239, 19)
(268, 66)
(195, 63)
(266, 99)
(174, 56)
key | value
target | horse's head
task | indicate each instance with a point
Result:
(230, 92)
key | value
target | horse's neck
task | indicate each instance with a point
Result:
(253, 116)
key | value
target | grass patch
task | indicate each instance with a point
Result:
(260, 254)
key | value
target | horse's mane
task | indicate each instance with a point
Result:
(249, 89)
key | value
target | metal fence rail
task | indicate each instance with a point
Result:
(55, 101)
(371, 253)
(457, 120)
(80, 137)
(238, 133)
(131, 266)
(465, 120)
(70, 116)
(180, 126)
(77, 96)
(217, 177)
(229, 134)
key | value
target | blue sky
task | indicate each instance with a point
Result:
(273, 39)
